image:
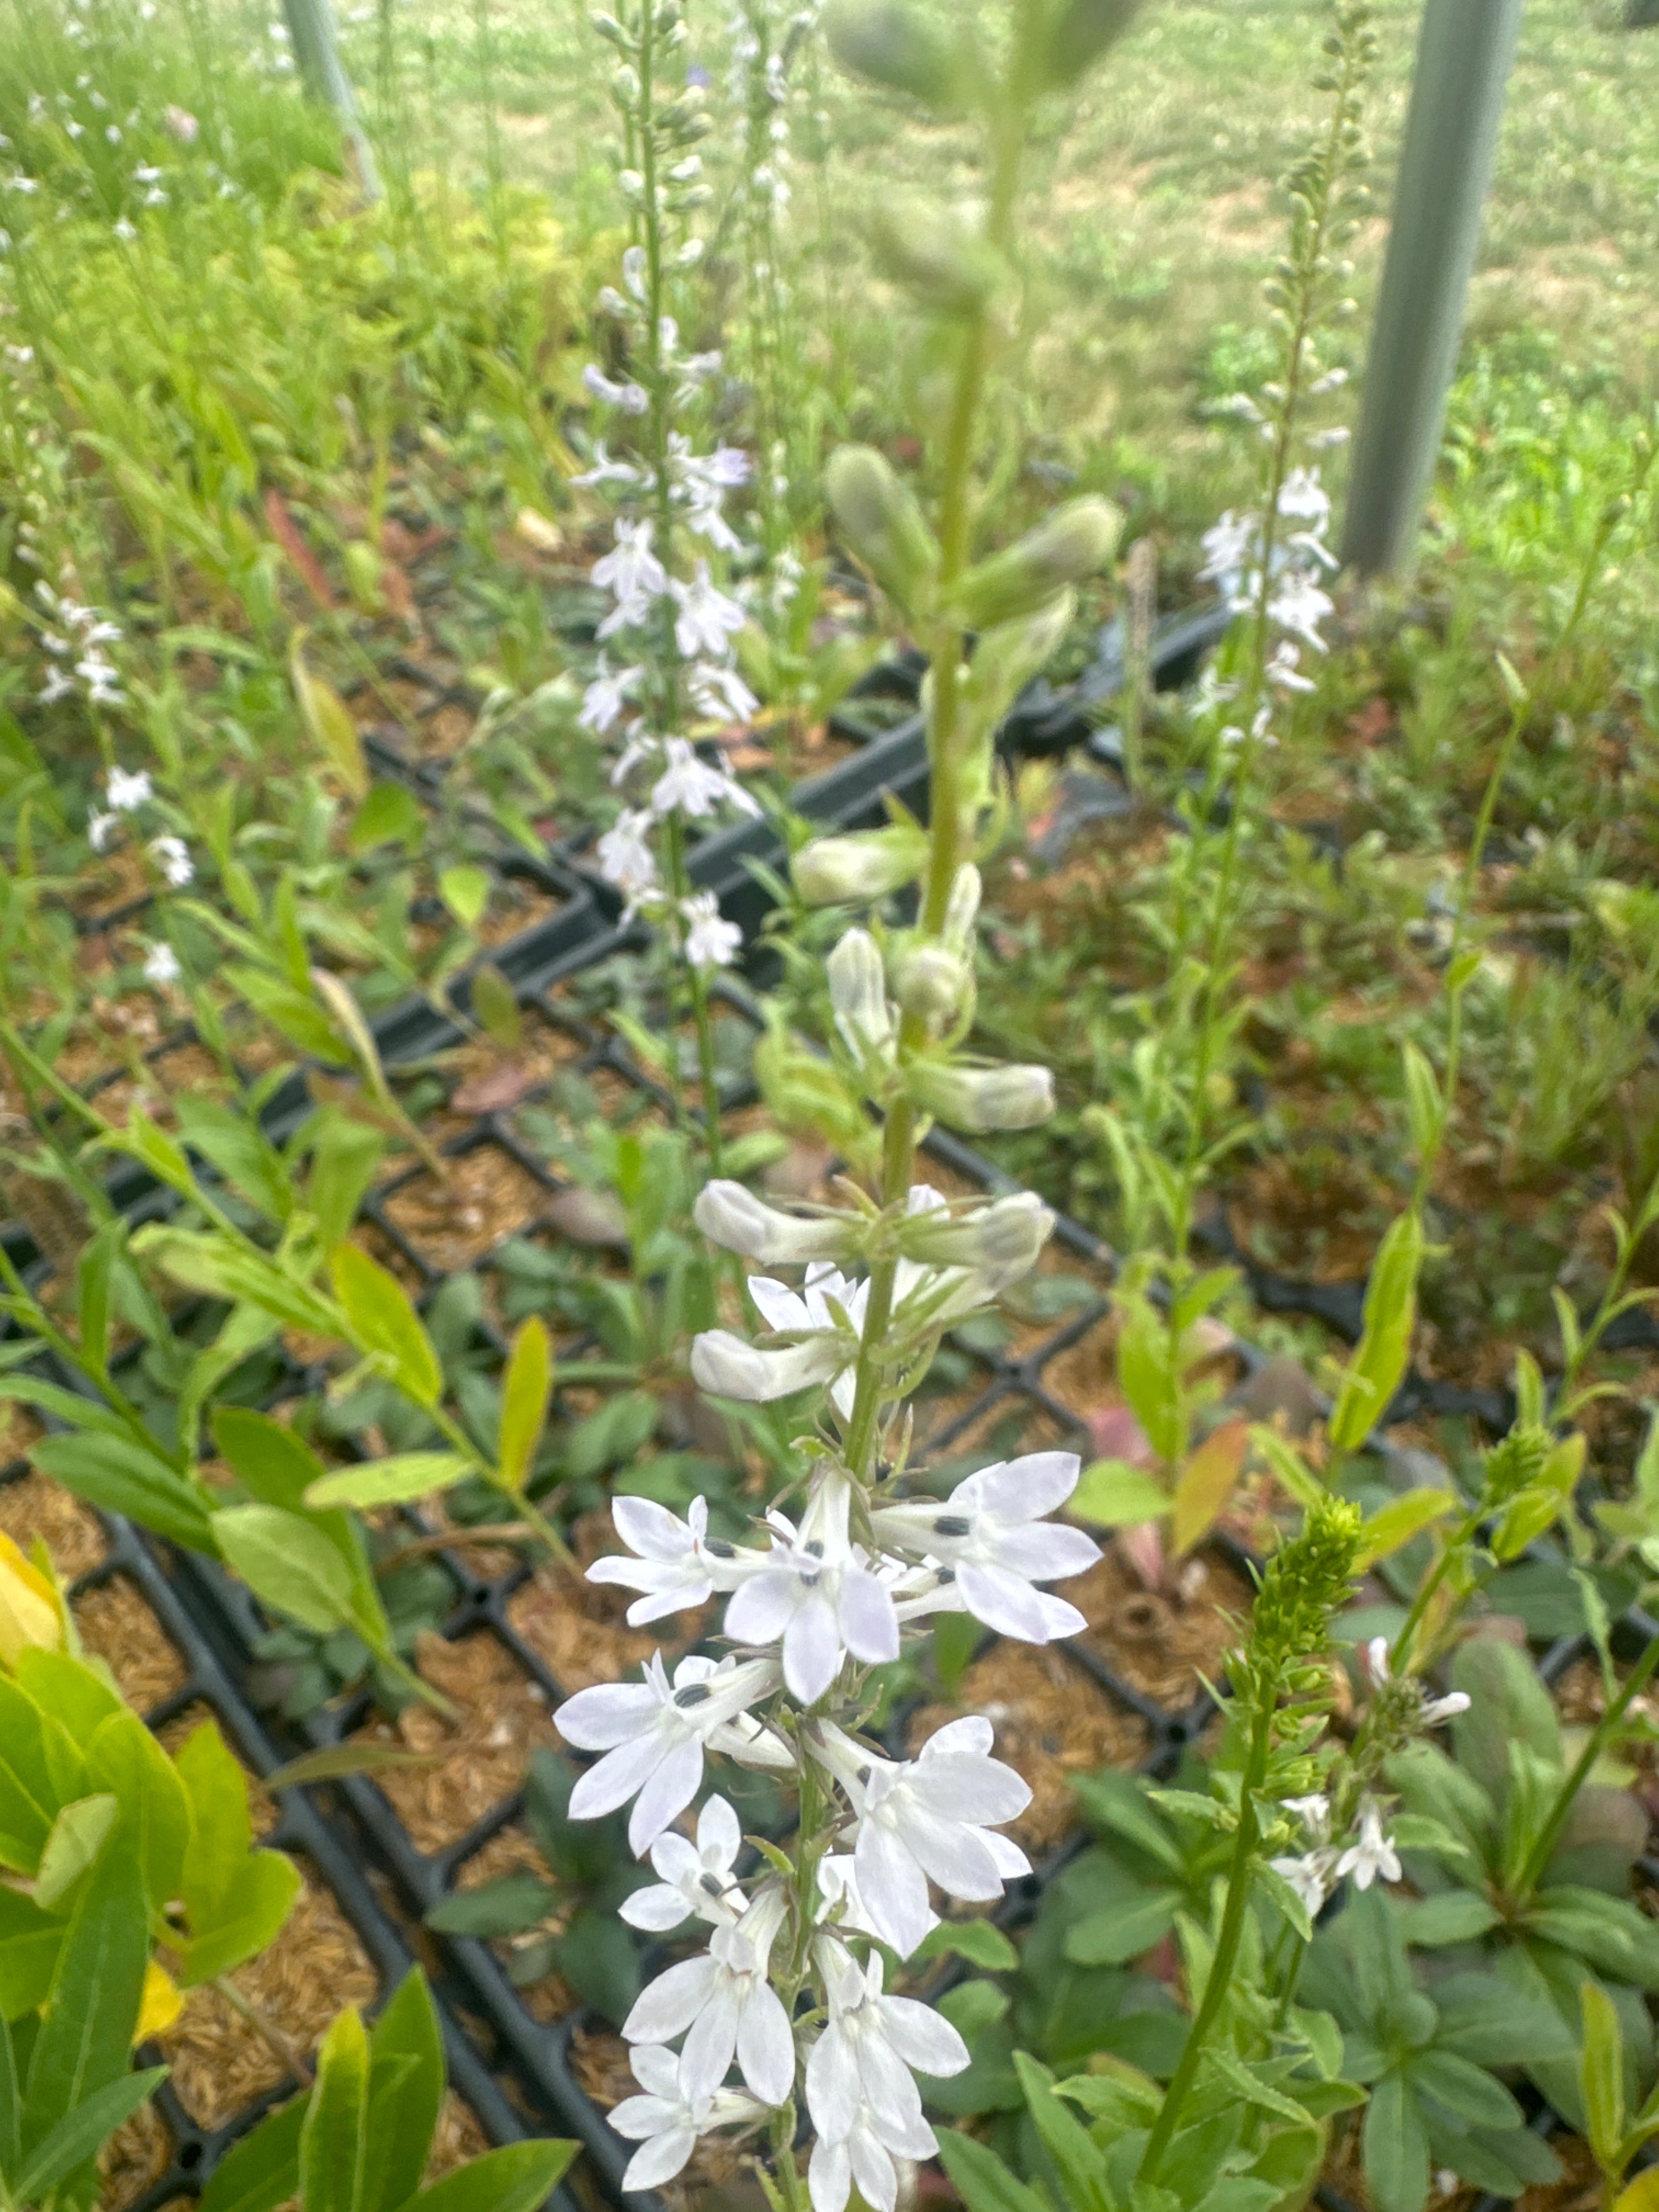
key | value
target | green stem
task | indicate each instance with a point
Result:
(1219, 1980)
(1399, 1658)
(1543, 1850)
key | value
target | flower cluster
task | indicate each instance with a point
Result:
(1282, 569)
(73, 637)
(809, 1604)
(669, 625)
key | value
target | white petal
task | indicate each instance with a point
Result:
(719, 1834)
(958, 1857)
(649, 1528)
(967, 1789)
(656, 2069)
(893, 1886)
(832, 2084)
(1004, 1601)
(705, 2057)
(674, 1858)
(649, 2116)
(829, 2176)
(874, 2171)
(766, 2046)
(1046, 1551)
(890, 2088)
(1025, 1489)
(974, 1733)
(811, 1649)
(922, 2037)
(763, 1607)
(1011, 1862)
(664, 1797)
(660, 1907)
(661, 2159)
(612, 1780)
(609, 1714)
(666, 2008)
(868, 1623)
(777, 1304)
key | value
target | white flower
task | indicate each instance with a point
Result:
(818, 1595)
(676, 1564)
(162, 966)
(839, 1905)
(1003, 1237)
(1430, 1710)
(707, 618)
(1303, 498)
(1373, 1855)
(625, 858)
(173, 856)
(126, 793)
(1283, 668)
(631, 397)
(710, 940)
(57, 685)
(696, 1880)
(858, 995)
(1315, 1814)
(861, 2093)
(991, 1533)
(731, 1216)
(606, 699)
(1010, 1096)
(654, 1734)
(724, 2004)
(666, 2123)
(926, 1817)
(124, 230)
(1310, 1876)
(605, 471)
(720, 693)
(99, 826)
(1229, 546)
(688, 785)
(728, 1367)
(181, 124)
(631, 572)
(1299, 605)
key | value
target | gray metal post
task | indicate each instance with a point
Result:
(1463, 59)
(316, 50)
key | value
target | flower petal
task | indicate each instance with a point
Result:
(666, 2008)
(922, 2037)
(766, 2046)
(868, 1623)
(661, 2159)
(612, 1780)
(609, 1714)
(812, 1650)
(665, 1795)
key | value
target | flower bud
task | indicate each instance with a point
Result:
(931, 981)
(30, 1618)
(1075, 542)
(731, 1216)
(1080, 34)
(939, 254)
(867, 865)
(962, 910)
(881, 523)
(1005, 658)
(1003, 1238)
(896, 46)
(858, 995)
(976, 1098)
(726, 1367)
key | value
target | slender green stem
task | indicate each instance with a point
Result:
(1219, 1978)
(292, 2059)
(1543, 1850)
(1399, 1657)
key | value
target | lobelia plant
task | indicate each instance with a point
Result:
(791, 1986)
(681, 630)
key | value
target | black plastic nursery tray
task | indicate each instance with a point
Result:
(343, 1943)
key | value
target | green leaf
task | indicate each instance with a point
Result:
(505, 1906)
(249, 1916)
(11, 2101)
(383, 1320)
(210, 1263)
(495, 1008)
(120, 1476)
(391, 1482)
(287, 1564)
(92, 1281)
(263, 2170)
(335, 1760)
(88, 2023)
(334, 2140)
(1288, 1900)
(982, 2179)
(1249, 2085)
(39, 1772)
(1602, 2074)
(388, 812)
(1119, 1803)
(330, 729)
(83, 2133)
(1148, 1380)
(1206, 1482)
(345, 1154)
(222, 1831)
(1399, 1521)
(1116, 1495)
(1508, 1704)
(980, 1942)
(78, 1834)
(1464, 2088)
(518, 2177)
(125, 1758)
(1396, 2149)
(1123, 1931)
(1610, 1933)
(465, 891)
(1458, 1916)
(598, 1956)
(1073, 2150)
(525, 1388)
(405, 2092)
(267, 1459)
(30, 1942)
(1372, 1374)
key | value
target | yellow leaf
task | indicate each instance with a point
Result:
(29, 1618)
(163, 2002)
(1206, 1483)
(1643, 2195)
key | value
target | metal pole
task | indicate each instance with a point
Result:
(1463, 57)
(316, 50)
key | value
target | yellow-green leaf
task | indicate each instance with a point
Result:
(382, 1319)
(1206, 1482)
(525, 1388)
(394, 1481)
(1117, 1495)
(1399, 1521)
(328, 721)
